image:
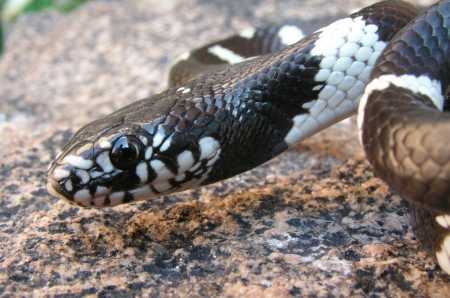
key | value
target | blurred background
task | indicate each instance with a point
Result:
(11, 9)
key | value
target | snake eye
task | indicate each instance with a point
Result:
(126, 152)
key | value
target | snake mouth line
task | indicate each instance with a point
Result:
(56, 190)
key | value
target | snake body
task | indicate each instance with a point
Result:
(236, 103)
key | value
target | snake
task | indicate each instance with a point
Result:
(236, 103)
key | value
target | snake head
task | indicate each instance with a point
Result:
(99, 164)
(117, 160)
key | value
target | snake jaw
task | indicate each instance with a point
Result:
(55, 190)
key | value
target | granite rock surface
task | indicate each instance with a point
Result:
(314, 221)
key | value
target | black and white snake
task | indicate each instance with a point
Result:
(234, 104)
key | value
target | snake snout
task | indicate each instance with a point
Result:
(69, 173)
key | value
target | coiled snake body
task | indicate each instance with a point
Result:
(234, 104)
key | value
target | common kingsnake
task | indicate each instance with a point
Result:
(236, 103)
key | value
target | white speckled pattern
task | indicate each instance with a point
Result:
(208, 147)
(208, 154)
(148, 153)
(78, 162)
(166, 145)
(60, 173)
(104, 143)
(162, 172)
(349, 49)
(185, 161)
(104, 162)
(159, 137)
(68, 185)
(83, 175)
(184, 90)
(142, 171)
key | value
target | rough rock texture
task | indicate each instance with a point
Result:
(313, 221)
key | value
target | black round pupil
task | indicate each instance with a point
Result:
(126, 152)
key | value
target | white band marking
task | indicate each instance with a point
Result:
(346, 47)
(422, 84)
(247, 33)
(225, 54)
(290, 34)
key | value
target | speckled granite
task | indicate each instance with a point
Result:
(312, 222)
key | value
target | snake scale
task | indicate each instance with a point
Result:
(236, 103)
